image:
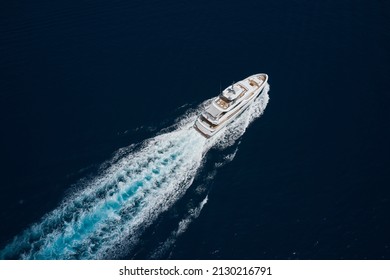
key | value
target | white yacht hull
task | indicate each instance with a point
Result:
(208, 126)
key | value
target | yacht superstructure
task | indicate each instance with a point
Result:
(231, 102)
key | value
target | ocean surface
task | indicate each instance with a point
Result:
(99, 161)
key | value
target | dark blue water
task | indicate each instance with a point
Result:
(310, 179)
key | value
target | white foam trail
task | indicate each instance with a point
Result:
(228, 158)
(182, 227)
(105, 217)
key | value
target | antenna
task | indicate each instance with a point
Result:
(232, 88)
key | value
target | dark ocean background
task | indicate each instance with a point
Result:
(310, 179)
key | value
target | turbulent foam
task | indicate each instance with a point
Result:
(106, 216)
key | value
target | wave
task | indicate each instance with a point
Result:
(105, 217)
(181, 228)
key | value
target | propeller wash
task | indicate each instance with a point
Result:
(105, 218)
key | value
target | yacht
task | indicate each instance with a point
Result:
(231, 102)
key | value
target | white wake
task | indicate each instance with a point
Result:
(105, 218)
